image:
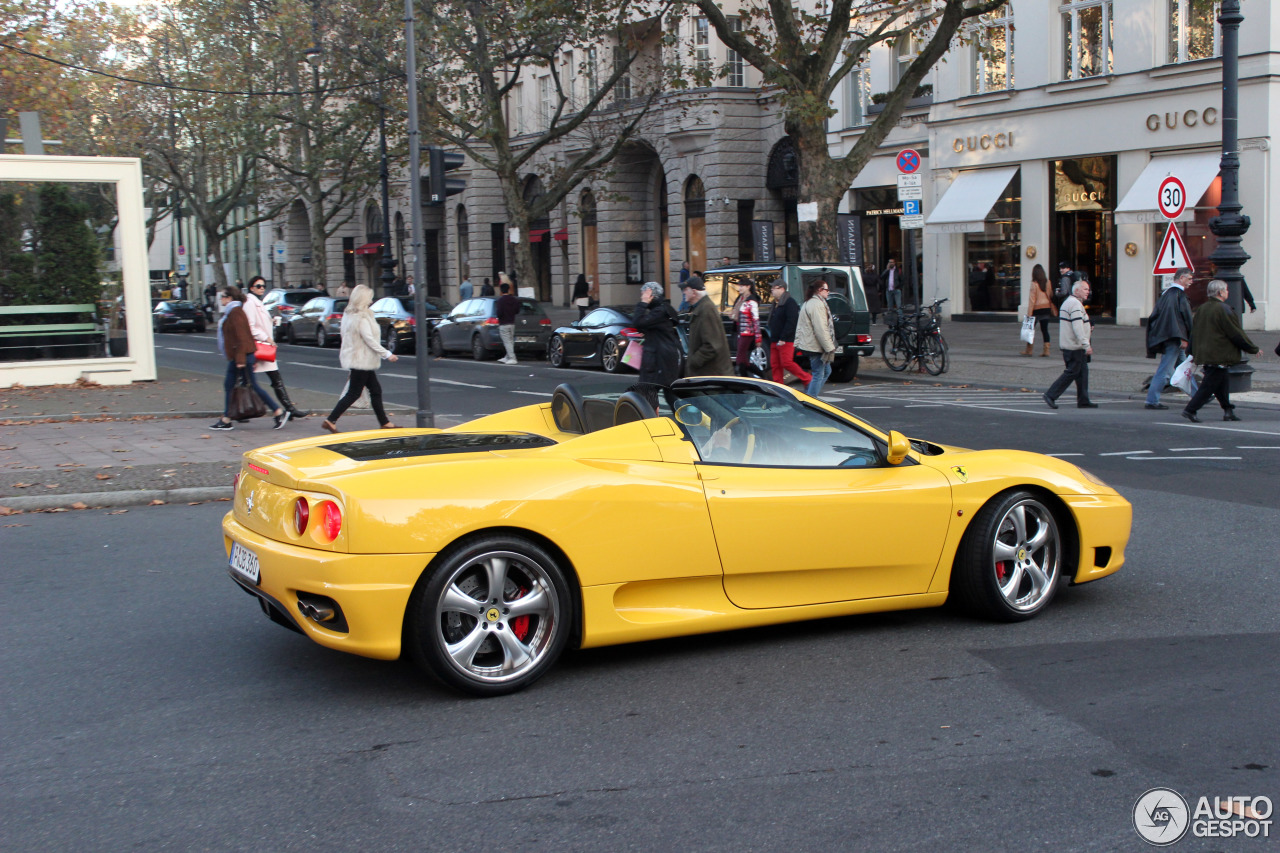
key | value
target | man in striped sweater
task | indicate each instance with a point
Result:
(1073, 340)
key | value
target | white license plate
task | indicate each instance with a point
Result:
(526, 339)
(244, 562)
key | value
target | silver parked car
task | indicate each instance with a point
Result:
(320, 320)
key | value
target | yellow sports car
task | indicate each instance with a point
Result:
(484, 550)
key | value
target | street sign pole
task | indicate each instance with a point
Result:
(911, 194)
(425, 417)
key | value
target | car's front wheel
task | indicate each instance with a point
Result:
(437, 346)
(1011, 559)
(492, 617)
(555, 352)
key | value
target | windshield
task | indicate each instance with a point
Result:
(742, 426)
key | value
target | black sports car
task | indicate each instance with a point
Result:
(397, 324)
(176, 315)
(601, 337)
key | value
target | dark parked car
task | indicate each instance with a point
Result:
(397, 323)
(472, 326)
(319, 320)
(281, 304)
(601, 337)
(847, 301)
(175, 315)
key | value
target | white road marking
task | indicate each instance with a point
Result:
(924, 406)
(1183, 449)
(318, 366)
(867, 408)
(1064, 454)
(1125, 453)
(184, 349)
(1223, 429)
(1144, 458)
(463, 384)
(533, 393)
(1257, 447)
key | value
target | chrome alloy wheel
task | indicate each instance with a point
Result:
(497, 616)
(1026, 555)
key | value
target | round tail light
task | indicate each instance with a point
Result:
(330, 520)
(301, 514)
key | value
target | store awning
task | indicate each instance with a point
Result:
(562, 235)
(1196, 171)
(369, 249)
(966, 203)
(537, 235)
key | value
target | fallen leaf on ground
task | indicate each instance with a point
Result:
(4, 510)
(51, 485)
(102, 476)
(118, 512)
(17, 525)
(156, 502)
(79, 505)
(21, 485)
(206, 436)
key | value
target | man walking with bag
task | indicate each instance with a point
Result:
(1218, 343)
(1169, 333)
(1073, 340)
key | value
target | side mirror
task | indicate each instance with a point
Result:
(899, 447)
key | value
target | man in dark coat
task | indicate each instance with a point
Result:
(1218, 342)
(782, 335)
(660, 364)
(708, 346)
(1169, 334)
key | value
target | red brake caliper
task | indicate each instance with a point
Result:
(1002, 570)
(520, 624)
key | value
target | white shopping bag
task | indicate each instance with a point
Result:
(1029, 330)
(1182, 375)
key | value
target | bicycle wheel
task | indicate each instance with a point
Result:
(895, 350)
(933, 355)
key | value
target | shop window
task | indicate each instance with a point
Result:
(1193, 30)
(993, 52)
(993, 256)
(1082, 229)
(1086, 38)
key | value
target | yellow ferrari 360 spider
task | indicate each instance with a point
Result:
(484, 550)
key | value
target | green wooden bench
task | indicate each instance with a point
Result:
(45, 336)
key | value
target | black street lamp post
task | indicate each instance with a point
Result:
(388, 262)
(1230, 225)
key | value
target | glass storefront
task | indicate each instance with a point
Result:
(1082, 227)
(992, 257)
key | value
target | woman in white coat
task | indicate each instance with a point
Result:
(361, 353)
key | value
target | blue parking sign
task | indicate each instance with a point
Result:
(911, 208)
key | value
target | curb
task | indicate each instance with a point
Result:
(136, 497)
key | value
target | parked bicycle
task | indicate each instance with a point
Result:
(915, 336)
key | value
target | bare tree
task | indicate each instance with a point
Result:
(804, 56)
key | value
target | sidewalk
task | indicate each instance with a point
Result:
(83, 445)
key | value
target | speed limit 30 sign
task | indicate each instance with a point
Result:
(1172, 198)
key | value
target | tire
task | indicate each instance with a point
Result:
(610, 357)
(894, 351)
(469, 638)
(478, 351)
(292, 335)
(989, 581)
(845, 369)
(437, 346)
(555, 352)
(322, 337)
(392, 344)
(933, 356)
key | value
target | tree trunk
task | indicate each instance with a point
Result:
(820, 182)
(319, 253)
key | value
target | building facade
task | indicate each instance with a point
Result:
(1044, 134)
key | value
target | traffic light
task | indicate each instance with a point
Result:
(438, 185)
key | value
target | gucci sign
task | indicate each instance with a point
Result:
(1189, 118)
(985, 142)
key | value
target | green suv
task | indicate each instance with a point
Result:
(847, 301)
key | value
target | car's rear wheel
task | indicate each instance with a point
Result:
(478, 352)
(492, 617)
(845, 369)
(610, 357)
(437, 346)
(555, 352)
(322, 337)
(392, 344)
(292, 335)
(1011, 560)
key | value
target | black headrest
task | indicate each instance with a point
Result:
(631, 406)
(567, 409)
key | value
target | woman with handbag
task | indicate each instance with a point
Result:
(263, 334)
(361, 351)
(660, 363)
(746, 312)
(1040, 307)
(235, 341)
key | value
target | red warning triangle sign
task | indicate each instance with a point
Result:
(1173, 254)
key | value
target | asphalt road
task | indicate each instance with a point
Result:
(149, 704)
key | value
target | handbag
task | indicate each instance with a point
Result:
(264, 352)
(634, 355)
(245, 402)
(1028, 330)
(1181, 378)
